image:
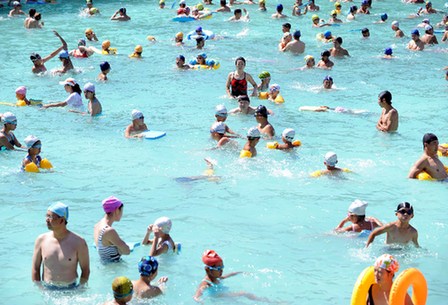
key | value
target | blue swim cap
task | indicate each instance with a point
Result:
(327, 34)
(203, 55)
(328, 77)
(63, 54)
(415, 32)
(388, 51)
(365, 2)
(384, 17)
(147, 266)
(199, 29)
(279, 7)
(297, 34)
(59, 209)
(181, 57)
(104, 66)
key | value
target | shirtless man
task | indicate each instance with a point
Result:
(429, 161)
(400, 231)
(33, 21)
(224, 8)
(429, 37)
(17, 10)
(279, 14)
(428, 9)
(337, 50)
(39, 62)
(59, 252)
(122, 16)
(238, 15)
(265, 128)
(137, 127)
(325, 62)
(416, 44)
(396, 28)
(180, 63)
(296, 46)
(243, 106)
(388, 121)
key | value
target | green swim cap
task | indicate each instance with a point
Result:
(264, 75)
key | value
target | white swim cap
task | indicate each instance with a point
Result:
(331, 158)
(274, 87)
(89, 87)
(358, 207)
(428, 28)
(164, 224)
(136, 114)
(9, 117)
(30, 141)
(289, 134)
(395, 23)
(218, 127)
(221, 110)
(253, 132)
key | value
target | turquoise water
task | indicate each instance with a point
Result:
(265, 216)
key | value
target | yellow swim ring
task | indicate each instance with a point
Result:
(408, 277)
(439, 152)
(362, 286)
(245, 154)
(426, 176)
(31, 168)
(296, 143)
(21, 103)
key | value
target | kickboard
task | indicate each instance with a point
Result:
(153, 135)
(183, 19)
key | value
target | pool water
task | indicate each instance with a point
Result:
(265, 216)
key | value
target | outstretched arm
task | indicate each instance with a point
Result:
(376, 232)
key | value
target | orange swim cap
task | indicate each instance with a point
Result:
(138, 49)
(88, 31)
(105, 44)
(211, 258)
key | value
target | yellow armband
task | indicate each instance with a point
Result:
(316, 174)
(20, 103)
(263, 95)
(31, 168)
(440, 153)
(245, 154)
(272, 145)
(279, 99)
(45, 164)
(296, 143)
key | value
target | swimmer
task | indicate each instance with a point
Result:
(249, 149)
(400, 231)
(279, 14)
(309, 62)
(223, 7)
(357, 216)
(287, 37)
(90, 10)
(67, 64)
(200, 43)
(297, 8)
(337, 50)
(201, 59)
(352, 13)
(162, 4)
(243, 106)
(123, 290)
(105, 69)
(148, 267)
(388, 121)
(334, 17)
(162, 242)
(364, 9)
(236, 83)
(338, 7)
(82, 51)
(34, 20)
(396, 28)
(365, 33)
(179, 39)
(21, 95)
(388, 53)
(287, 137)
(429, 37)
(327, 37)
(429, 162)
(221, 116)
(137, 127)
(385, 268)
(273, 93)
(443, 22)
(106, 49)
(218, 133)
(325, 62)
(74, 99)
(383, 18)
(262, 5)
(34, 147)
(180, 63)
(296, 46)
(445, 34)
(17, 10)
(428, 9)
(286, 27)
(90, 35)
(122, 15)
(138, 50)
(39, 62)
(317, 23)
(264, 127)
(337, 109)
(265, 78)
(238, 15)
(7, 138)
(327, 83)
(94, 106)
(415, 44)
(312, 7)
(209, 173)
(330, 161)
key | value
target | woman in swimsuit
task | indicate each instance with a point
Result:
(109, 245)
(357, 215)
(236, 84)
(7, 138)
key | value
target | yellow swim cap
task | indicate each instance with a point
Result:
(336, 4)
(162, 1)
(138, 49)
(93, 10)
(333, 12)
(122, 287)
(314, 17)
(200, 6)
(89, 31)
(309, 57)
(262, 1)
(180, 35)
(105, 44)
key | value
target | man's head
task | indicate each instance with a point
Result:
(279, 8)
(286, 27)
(385, 97)
(415, 34)
(327, 82)
(104, 66)
(57, 214)
(243, 101)
(325, 55)
(365, 32)
(430, 143)
(297, 35)
(180, 60)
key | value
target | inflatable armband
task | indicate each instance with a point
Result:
(296, 143)
(31, 168)
(279, 99)
(316, 174)
(263, 95)
(20, 103)
(45, 164)
(272, 145)
(245, 154)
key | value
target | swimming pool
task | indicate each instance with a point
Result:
(265, 216)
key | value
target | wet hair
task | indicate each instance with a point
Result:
(353, 8)
(339, 40)
(240, 58)
(243, 98)
(223, 2)
(38, 16)
(365, 30)
(287, 25)
(428, 138)
(122, 10)
(32, 12)
(237, 11)
(387, 96)
(325, 53)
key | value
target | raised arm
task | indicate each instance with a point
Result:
(341, 224)
(155, 249)
(376, 232)
(146, 239)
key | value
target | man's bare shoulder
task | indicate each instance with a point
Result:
(75, 238)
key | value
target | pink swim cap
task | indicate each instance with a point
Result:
(111, 203)
(21, 90)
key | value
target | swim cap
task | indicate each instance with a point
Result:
(203, 55)
(327, 34)
(21, 90)
(63, 54)
(221, 110)
(88, 31)
(405, 205)
(211, 258)
(365, 2)
(264, 74)
(279, 7)
(81, 42)
(328, 77)
(105, 44)
(164, 224)
(384, 17)
(395, 23)
(198, 29)
(104, 66)
(427, 138)
(89, 87)
(358, 207)
(297, 34)
(122, 287)
(314, 17)
(180, 35)
(16, 3)
(289, 134)
(34, 56)
(353, 8)
(181, 2)
(218, 127)
(162, 2)
(30, 141)
(110, 204)
(181, 57)
(261, 110)
(428, 3)
(388, 51)
(59, 209)
(200, 6)
(136, 114)
(426, 20)
(274, 87)
(308, 57)
(337, 4)
(9, 117)
(331, 158)
(415, 32)
(138, 49)
(69, 81)
(325, 53)
(147, 266)
(428, 28)
(253, 132)
(387, 262)
(122, 10)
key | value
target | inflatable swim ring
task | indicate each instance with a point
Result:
(245, 154)
(274, 145)
(265, 95)
(319, 173)
(362, 286)
(426, 176)
(208, 63)
(207, 35)
(439, 152)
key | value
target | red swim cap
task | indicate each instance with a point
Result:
(211, 258)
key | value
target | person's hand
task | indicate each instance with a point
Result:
(156, 231)
(56, 33)
(149, 229)
(162, 280)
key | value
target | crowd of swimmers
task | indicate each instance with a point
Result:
(51, 272)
